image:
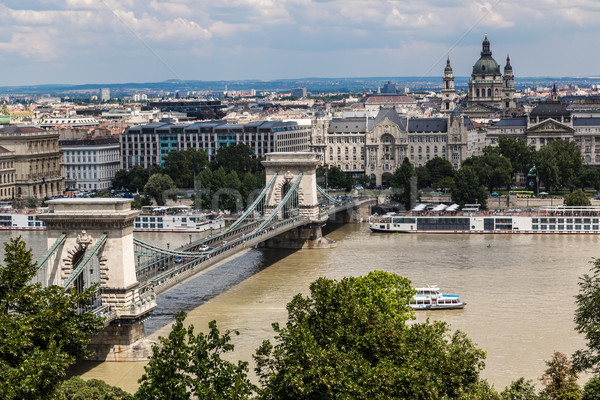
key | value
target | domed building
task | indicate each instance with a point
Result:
(489, 90)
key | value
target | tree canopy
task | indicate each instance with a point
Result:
(183, 166)
(492, 169)
(577, 199)
(467, 188)
(404, 185)
(333, 177)
(558, 163)
(157, 187)
(439, 169)
(40, 333)
(76, 388)
(560, 379)
(518, 152)
(587, 320)
(186, 365)
(349, 339)
(239, 158)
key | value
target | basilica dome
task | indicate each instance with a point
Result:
(486, 65)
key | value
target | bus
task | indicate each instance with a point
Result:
(525, 194)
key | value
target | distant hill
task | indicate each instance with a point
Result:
(314, 85)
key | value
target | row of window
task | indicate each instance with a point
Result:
(567, 220)
(565, 227)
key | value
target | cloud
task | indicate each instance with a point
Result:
(35, 45)
(360, 34)
(169, 8)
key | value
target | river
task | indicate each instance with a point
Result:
(519, 288)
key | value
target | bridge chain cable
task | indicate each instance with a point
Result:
(159, 250)
(327, 195)
(57, 243)
(86, 259)
(251, 208)
(292, 190)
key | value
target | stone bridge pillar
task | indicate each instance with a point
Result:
(84, 221)
(288, 166)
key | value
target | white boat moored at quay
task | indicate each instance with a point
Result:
(451, 219)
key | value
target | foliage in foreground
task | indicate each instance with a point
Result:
(93, 389)
(349, 339)
(187, 366)
(560, 379)
(40, 333)
(587, 320)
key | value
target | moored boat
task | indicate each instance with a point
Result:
(431, 298)
(450, 219)
(177, 219)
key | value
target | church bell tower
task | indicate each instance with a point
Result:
(448, 90)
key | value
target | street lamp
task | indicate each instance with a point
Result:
(190, 239)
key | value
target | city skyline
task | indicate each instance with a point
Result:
(108, 41)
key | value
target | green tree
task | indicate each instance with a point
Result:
(439, 168)
(590, 177)
(41, 334)
(349, 340)
(424, 179)
(186, 365)
(121, 179)
(239, 158)
(404, 185)
(577, 199)
(467, 189)
(558, 163)
(336, 178)
(493, 170)
(587, 320)
(31, 202)
(560, 379)
(140, 201)
(183, 166)
(591, 390)
(157, 186)
(519, 390)
(137, 179)
(518, 152)
(94, 389)
(446, 184)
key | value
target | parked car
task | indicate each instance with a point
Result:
(178, 259)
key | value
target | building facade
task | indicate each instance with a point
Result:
(550, 121)
(375, 146)
(489, 90)
(90, 164)
(7, 174)
(146, 145)
(37, 163)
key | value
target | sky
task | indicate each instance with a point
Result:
(118, 41)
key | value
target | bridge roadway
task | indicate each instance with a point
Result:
(175, 273)
(164, 271)
(154, 279)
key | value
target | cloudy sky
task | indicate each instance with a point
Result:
(111, 41)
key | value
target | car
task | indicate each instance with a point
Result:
(178, 259)
(204, 248)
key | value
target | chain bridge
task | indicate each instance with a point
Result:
(91, 243)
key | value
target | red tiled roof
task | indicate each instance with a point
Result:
(389, 99)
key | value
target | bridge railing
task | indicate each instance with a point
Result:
(168, 278)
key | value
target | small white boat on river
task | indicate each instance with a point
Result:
(430, 298)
